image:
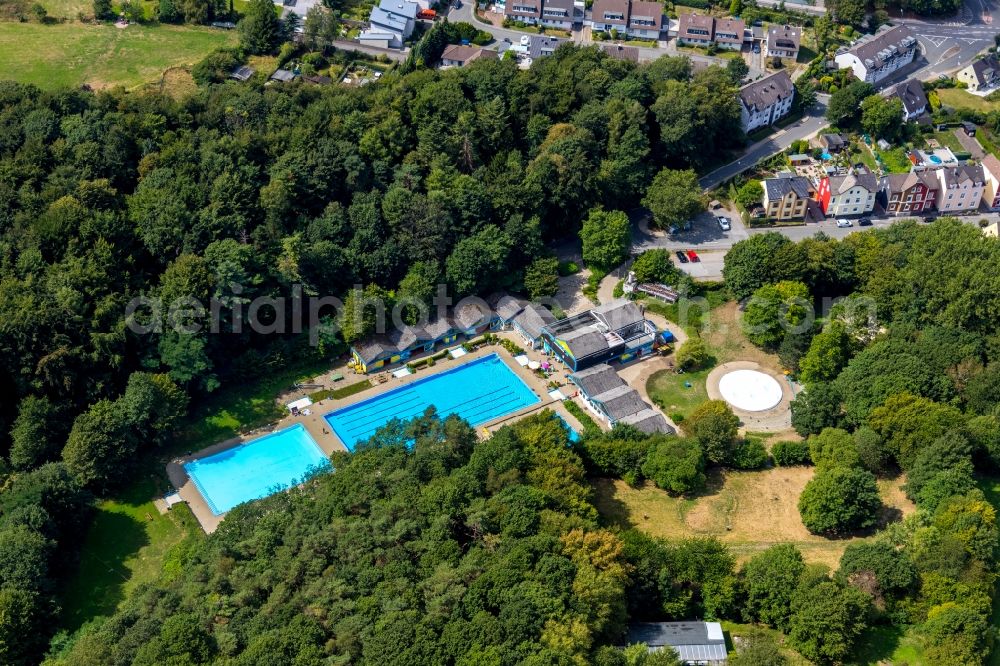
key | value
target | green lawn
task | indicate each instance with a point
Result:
(128, 544)
(669, 392)
(959, 99)
(71, 54)
(948, 140)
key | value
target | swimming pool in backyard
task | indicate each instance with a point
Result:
(478, 391)
(256, 469)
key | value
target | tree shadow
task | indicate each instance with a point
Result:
(877, 644)
(99, 584)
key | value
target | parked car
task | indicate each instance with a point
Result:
(681, 257)
(756, 48)
(723, 222)
(844, 223)
(865, 222)
(692, 255)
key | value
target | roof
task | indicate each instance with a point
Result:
(778, 188)
(841, 184)
(621, 401)
(692, 20)
(385, 19)
(786, 37)
(597, 379)
(618, 314)
(834, 140)
(729, 26)
(911, 93)
(566, 5)
(762, 93)
(536, 6)
(875, 50)
(955, 176)
(506, 306)
(584, 341)
(283, 75)
(901, 182)
(465, 54)
(693, 641)
(612, 7)
(986, 68)
(471, 314)
(651, 11)
(619, 52)
(533, 318)
(992, 165)
(241, 73)
(318, 79)
(400, 7)
(648, 421)
(433, 330)
(538, 43)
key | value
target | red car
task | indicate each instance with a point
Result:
(692, 255)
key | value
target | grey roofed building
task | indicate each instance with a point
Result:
(955, 176)
(585, 341)
(619, 52)
(597, 379)
(471, 315)
(400, 7)
(986, 70)
(283, 75)
(506, 306)
(883, 45)
(540, 45)
(649, 421)
(777, 188)
(618, 314)
(695, 642)
(761, 94)
(784, 38)
(646, 15)
(241, 73)
(841, 184)
(435, 329)
(317, 79)
(532, 319)
(620, 402)
(833, 142)
(912, 94)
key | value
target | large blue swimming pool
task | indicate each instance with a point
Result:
(256, 469)
(478, 391)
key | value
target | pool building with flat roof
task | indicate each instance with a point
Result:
(616, 331)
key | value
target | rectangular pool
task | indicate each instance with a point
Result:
(478, 391)
(256, 469)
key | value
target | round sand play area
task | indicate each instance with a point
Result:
(759, 395)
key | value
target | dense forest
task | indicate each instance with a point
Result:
(245, 190)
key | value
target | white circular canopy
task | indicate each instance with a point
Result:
(750, 390)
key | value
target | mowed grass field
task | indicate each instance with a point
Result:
(747, 511)
(963, 99)
(72, 54)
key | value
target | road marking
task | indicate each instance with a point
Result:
(936, 40)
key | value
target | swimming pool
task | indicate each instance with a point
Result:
(256, 469)
(478, 391)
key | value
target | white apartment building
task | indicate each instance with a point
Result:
(961, 188)
(765, 101)
(874, 57)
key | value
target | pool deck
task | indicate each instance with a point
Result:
(317, 427)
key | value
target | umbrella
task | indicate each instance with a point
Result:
(534, 365)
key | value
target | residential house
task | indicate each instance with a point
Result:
(853, 194)
(911, 93)
(458, 55)
(961, 188)
(991, 171)
(529, 322)
(645, 19)
(283, 75)
(619, 52)
(766, 100)
(531, 47)
(242, 73)
(694, 642)
(786, 198)
(695, 29)
(608, 15)
(557, 14)
(782, 41)
(874, 57)
(982, 74)
(613, 401)
(909, 193)
(614, 331)
(390, 23)
(729, 33)
(526, 11)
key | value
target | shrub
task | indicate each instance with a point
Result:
(715, 426)
(839, 499)
(692, 354)
(788, 453)
(655, 266)
(567, 267)
(675, 464)
(615, 454)
(749, 454)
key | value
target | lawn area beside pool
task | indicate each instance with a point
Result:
(671, 394)
(102, 56)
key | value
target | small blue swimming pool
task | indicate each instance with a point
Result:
(934, 159)
(574, 436)
(826, 156)
(478, 391)
(256, 469)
